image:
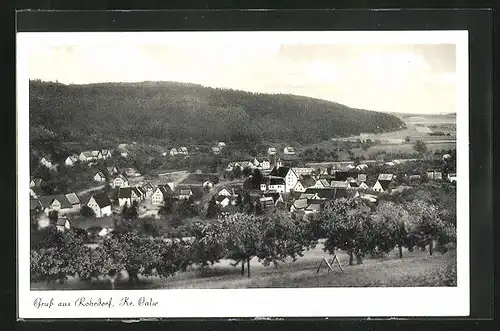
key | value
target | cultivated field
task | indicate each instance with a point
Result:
(415, 269)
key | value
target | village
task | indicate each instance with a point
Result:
(273, 181)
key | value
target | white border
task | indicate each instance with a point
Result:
(310, 302)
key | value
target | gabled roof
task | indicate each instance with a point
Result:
(314, 206)
(324, 182)
(273, 195)
(280, 172)
(102, 200)
(111, 169)
(141, 190)
(221, 198)
(137, 191)
(165, 190)
(73, 198)
(323, 193)
(125, 192)
(300, 203)
(306, 196)
(100, 173)
(36, 181)
(384, 183)
(388, 177)
(183, 149)
(307, 182)
(341, 175)
(46, 200)
(340, 184)
(276, 181)
(95, 153)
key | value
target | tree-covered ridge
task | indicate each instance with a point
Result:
(177, 112)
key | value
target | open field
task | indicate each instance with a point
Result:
(415, 269)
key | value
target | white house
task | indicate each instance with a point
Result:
(452, 178)
(46, 162)
(271, 151)
(87, 156)
(381, 185)
(185, 194)
(173, 152)
(35, 182)
(100, 204)
(216, 150)
(161, 193)
(127, 195)
(223, 201)
(265, 164)
(112, 170)
(288, 151)
(436, 175)
(291, 178)
(221, 144)
(106, 154)
(119, 181)
(71, 160)
(277, 184)
(183, 150)
(148, 188)
(58, 202)
(321, 183)
(124, 154)
(225, 192)
(99, 177)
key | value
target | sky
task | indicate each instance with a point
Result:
(411, 78)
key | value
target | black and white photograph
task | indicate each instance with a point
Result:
(242, 167)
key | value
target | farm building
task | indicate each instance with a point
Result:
(100, 204)
(58, 202)
(99, 177)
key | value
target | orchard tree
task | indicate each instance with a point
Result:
(427, 224)
(347, 226)
(209, 241)
(420, 147)
(391, 224)
(212, 209)
(86, 211)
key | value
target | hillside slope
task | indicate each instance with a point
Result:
(175, 113)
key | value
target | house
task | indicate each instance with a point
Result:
(173, 152)
(221, 144)
(304, 183)
(216, 150)
(446, 157)
(388, 177)
(223, 201)
(361, 166)
(131, 172)
(277, 197)
(328, 193)
(271, 151)
(106, 154)
(291, 178)
(321, 183)
(100, 204)
(57, 202)
(207, 184)
(255, 163)
(303, 171)
(119, 181)
(266, 202)
(112, 170)
(265, 164)
(277, 184)
(183, 151)
(361, 177)
(225, 192)
(141, 192)
(185, 194)
(99, 177)
(62, 224)
(71, 160)
(299, 204)
(414, 177)
(436, 175)
(382, 185)
(75, 202)
(161, 193)
(452, 177)
(148, 188)
(46, 162)
(127, 195)
(288, 151)
(87, 156)
(35, 182)
(124, 154)
(122, 146)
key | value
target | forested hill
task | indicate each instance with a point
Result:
(177, 112)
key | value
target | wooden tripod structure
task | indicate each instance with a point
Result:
(330, 264)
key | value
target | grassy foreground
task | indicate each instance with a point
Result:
(415, 269)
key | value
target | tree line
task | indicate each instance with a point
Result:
(351, 225)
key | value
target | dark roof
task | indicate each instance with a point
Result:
(137, 191)
(73, 198)
(384, 183)
(46, 200)
(102, 200)
(221, 198)
(328, 193)
(125, 192)
(142, 190)
(279, 172)
(276, 181)
(341, 175)
(165, 190)
(148, 186)
(308, 182)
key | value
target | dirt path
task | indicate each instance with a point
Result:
(83, 192)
